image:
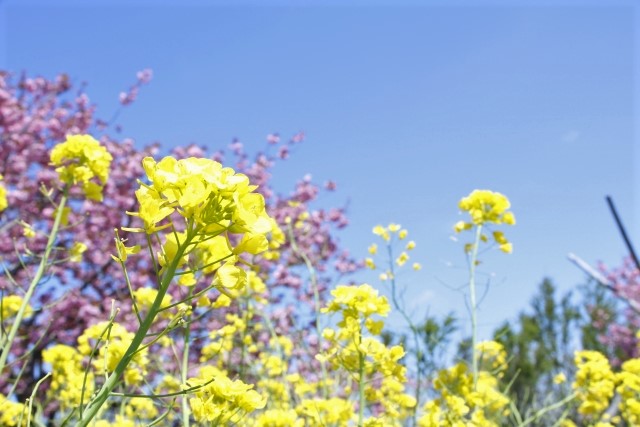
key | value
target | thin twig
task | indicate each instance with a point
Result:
(623, 231)
(598, 277)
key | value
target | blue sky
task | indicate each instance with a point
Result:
(408, 106)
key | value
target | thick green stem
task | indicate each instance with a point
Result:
(101, 397)
(474, 305)
(42, 268)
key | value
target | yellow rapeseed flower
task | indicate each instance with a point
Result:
(80, 159)
(76, 251)
(594, 382)
(323, 412)
(379, 230)
(369, 263)
(394, 227)
(145, 296)
(218, 207)
(3, 196)
(222, 400)
(486, 206)
(11, 304)
(68, 386)
(560, 378)
(402, 259)
(356, 300)
(461, 226)
(10, 412)
(28, 231)
(628, 388)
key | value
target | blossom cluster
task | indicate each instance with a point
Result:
(486, 208)
(390, 235)
(80, 159)
(460, 403)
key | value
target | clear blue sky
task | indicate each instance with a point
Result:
(407, 106)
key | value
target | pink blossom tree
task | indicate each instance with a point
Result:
(36, 113)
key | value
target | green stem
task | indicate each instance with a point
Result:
(474, 304)
(546, 409)
(101, 397)
(274, 336)
(185, 369)
(243, 347)
(42, 268)
(33, 396)
(414, 332)
(316, 301)
(361, 357)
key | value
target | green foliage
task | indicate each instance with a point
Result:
(540, 345)
(436, 336)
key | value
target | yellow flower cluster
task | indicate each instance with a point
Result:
(380, 359)
(140, 408)
(356, 301)
(375, 367)
(397, 404)
(144, 298)
(216, 203)
(492, 357)
(3, 196)
(214, 197)
(12, 412)
(279, 418)
(326, 412)
(222, 339)
(387, 234)
(629, 390)
(80, 159)
(486, 207)
(10, 305)
(594, 383)
(222, 401)
(255, 288)
(459, 404)
(273, 365)
(278, 392)
(112, 342)
(68, 383)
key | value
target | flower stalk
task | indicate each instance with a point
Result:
(474, 306)
(42, 268)
(112, 381)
